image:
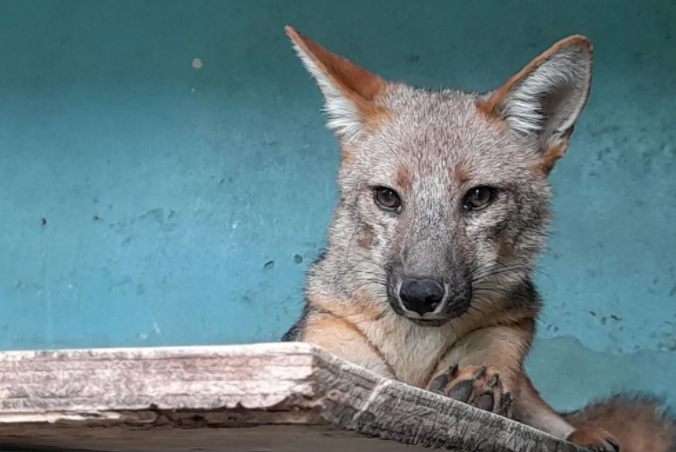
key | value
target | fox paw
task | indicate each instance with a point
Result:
(477, 386)
(594, 438)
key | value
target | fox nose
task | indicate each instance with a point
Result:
(421, 295)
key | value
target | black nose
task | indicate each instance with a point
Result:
(421, 295)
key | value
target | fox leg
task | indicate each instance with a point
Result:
(340, 337)
(485, 370)
(479, 386)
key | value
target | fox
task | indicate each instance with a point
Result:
(444, 208)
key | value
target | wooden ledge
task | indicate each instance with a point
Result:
(295, 396)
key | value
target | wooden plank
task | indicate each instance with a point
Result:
(263, 397)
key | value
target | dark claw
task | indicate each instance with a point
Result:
(461, 391)
(494, 380)
(507, 401)
(485, 402)
(439, 383)
(452, 370)
(479, 372)
(613, 443)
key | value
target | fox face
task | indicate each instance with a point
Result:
(444, 196)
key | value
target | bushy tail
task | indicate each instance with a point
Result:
(640, 423)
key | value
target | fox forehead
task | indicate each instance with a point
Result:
(440, 135)
(525, 124)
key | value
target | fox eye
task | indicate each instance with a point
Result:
(387, 199)
(479, 197)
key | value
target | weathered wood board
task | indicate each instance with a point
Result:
(264, 397)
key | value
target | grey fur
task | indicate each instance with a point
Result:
(435, 136)
(431, 134)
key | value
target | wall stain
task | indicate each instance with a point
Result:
(569, 374)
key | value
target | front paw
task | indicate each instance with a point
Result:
(594, 438)
(477, 386)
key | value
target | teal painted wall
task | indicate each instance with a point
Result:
(147, 202)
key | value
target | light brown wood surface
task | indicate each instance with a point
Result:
(255, 398)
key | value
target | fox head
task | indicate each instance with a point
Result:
(444, 195)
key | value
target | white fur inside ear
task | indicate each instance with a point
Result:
(343, 117)
(550, 98)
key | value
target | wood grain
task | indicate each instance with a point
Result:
(263, 397)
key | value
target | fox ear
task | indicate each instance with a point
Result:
(349, 90)
(546, 97)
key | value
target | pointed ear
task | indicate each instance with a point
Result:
(349, 90)
(546, 97)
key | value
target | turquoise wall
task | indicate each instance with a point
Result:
(146, 202)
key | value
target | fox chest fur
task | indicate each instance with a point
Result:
(412, 352)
